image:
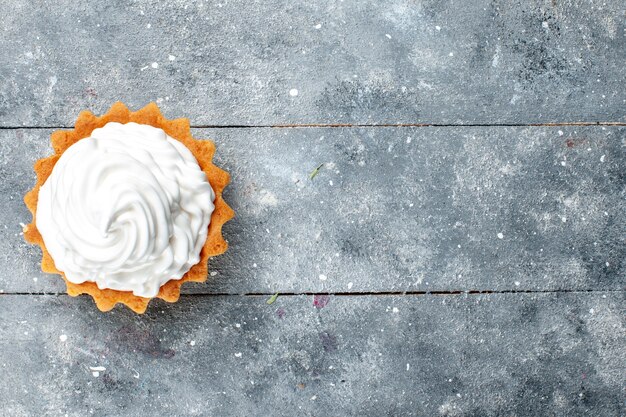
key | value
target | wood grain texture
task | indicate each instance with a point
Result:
(483, 355)
(378, 258)
(391, 209)
(236, 62)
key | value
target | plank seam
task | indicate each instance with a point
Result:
(359, 294)
(360, 125)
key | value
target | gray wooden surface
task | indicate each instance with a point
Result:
(392, 209)
(471, 267)
(371, 62)
(479, 355)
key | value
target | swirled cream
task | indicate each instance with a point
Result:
(127, 208)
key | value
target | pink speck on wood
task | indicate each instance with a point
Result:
(320, 300)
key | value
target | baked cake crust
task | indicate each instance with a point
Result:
(202, 150)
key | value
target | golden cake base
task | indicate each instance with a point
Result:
(178, 129)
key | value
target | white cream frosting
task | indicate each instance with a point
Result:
(127, 208)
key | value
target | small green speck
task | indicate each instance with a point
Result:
(272, 299)
(315, 171)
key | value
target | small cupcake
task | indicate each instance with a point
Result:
(128, 208)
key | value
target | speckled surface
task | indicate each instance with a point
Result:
(478, 355)
(447, 270)
(392, 209)
(235, 62)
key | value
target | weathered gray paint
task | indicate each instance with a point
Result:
(477, 355)
(235, 62)
(453, 209)
(392, 209)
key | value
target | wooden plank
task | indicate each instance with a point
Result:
(392, 209)
(486, 355)
(368, 62)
